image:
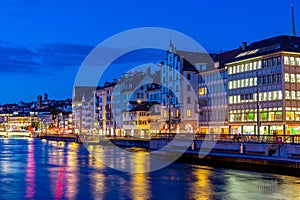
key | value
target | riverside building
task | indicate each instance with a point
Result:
(264, 87)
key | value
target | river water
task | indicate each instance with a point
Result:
(35, 169)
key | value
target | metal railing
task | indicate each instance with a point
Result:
(269, 139)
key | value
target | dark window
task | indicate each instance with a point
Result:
(278, 60)
(269, 62)
(258, 80)
(279, 78)
(274, 78)
(274, 61)
(264, 80)
(188, 77)
(264, 63)
(188, 100)
(269, 79)
(188, 88)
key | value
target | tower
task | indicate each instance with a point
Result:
(39, 101)
(45, 97)
(293, 33)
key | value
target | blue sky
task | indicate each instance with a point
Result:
(43, 43)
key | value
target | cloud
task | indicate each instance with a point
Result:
(56, 55)
(43, 59)
(50, 57)
(16, 59)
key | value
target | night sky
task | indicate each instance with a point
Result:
(43, 43)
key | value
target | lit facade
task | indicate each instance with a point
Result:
(265, 78)
(212, 92)
(179, 91)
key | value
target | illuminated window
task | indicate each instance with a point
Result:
(292, 60)
(202, 91)
(238, 99)
(280, 95)
(297, 116)
(293, 95)
(293, 78)
(270, 96)
(250, 66)
(233, 69)
(246, 82)
(230, 100)
(238, 83)
(229, 70)
(287, 77)
(246, 67)
(265, 96)
(298, 78)
(188, 113)
(275, 95)
(242, 83)
(250, 82)
(287, 94)
(298, 95)
(238, 69)
(286, 60)
(229, 84)
(254, 65)
(290, 116)
(259, 64)
(260, 96)
(298, 61)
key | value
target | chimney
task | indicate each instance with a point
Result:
(244, 45)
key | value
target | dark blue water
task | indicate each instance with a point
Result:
(35, 169)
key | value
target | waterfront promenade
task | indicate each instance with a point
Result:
(271, 153)
(275, 153)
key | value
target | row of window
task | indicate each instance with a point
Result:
(262, 80)
(271, 62)
(294, 95)
(212, 77)
(292, 78)
(213, 116)
(264, 116)
(252, 116)
(290, 60)
(212, 89)
(244, 67)
(247, 82)
(269, 79)
(263, 96)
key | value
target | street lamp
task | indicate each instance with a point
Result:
(258, 105)
(170, 102)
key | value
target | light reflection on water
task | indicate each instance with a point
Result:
(34, 169)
